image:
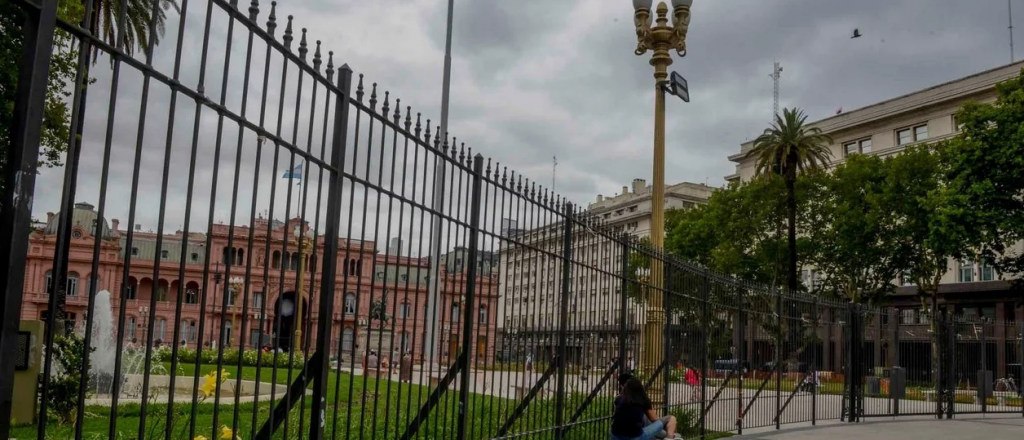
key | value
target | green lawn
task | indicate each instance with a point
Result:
(365, 408)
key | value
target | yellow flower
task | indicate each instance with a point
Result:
(208, 387)
(226, 434)
(199, 437)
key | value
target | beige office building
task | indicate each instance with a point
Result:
(531, 276)
(889, 127)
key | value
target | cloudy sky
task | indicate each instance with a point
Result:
(531, 79)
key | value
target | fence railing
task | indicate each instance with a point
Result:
(406, 288)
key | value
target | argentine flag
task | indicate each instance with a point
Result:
(295, 173)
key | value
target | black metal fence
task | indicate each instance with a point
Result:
(405, 288)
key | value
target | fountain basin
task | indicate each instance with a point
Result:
(131, 391)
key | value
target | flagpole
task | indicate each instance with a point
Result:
(433, 299)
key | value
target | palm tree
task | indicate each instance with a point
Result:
(106, 21)
(788, 148)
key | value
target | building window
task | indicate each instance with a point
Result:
(130, 328)
(920, 133)
(161, 330)
(257, 300)
(129, 290)
(986, 271)
(135, 251)
(862, 146)
(904, 137)
(188, 330)
(907, 278)
(275, 262)
(483, 315)
(192, 294)
(350, 303)
(195, 257)
(161, 293)
(455, 313)
(406, 343)
(72, 284)
(231, 297)
(227, 334)
(163, 254)
(348, 336)
(404, 310)
(966, 271)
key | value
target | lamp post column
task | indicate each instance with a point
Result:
(659, 39)
(304, 244)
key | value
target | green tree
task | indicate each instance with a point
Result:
(106, 19)
(789, 148)
(56, 111)
(854, 229)
(984, 168)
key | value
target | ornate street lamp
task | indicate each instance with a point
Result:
(659, 38)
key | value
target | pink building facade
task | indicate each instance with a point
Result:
(241, 291)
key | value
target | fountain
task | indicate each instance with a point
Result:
(101, 368)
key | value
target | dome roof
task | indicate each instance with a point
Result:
(84, 216)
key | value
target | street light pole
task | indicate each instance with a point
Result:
(304, 244)
(216, 288)
(659, 39)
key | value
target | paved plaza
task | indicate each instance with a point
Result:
(967, 427)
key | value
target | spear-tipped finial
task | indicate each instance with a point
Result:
(254, 9)
(272, 19)
(444, 146)
(426, 137)
(398, 113)
(488, 172)
(288, 34)
(419, 128)
(303, 48)
(316, 58)
(330, 63)
(385, 108)
(359, 89)
(408, 118)
(373, 97)
(504, 175)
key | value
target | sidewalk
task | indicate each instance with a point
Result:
(1002, 426)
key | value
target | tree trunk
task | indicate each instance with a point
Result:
(792, 280)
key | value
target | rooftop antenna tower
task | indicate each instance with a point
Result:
(776, 74)
(1009, 9)
(554, 169)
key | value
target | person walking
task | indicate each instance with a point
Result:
(693, 382)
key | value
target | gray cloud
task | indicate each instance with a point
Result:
(531, 80)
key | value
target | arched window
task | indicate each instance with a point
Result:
(404, 310)
(295, 262)
(350, 303)
(276, 260)
(348, 336)
(129, 328)
(229, 256)
(192, 293)
(239, 257)
(286, 260)
(406, 342)
(131, 288)
(455, 313)
(49, 282)
(161, 290)
(72, 284)
(483, 315)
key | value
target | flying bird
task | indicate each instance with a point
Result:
(856, 33)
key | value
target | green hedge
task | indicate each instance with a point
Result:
(250, 358)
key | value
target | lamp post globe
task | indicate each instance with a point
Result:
(642, 4)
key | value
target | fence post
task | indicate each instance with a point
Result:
(19, 184)
(895, 357)
(666, 334)
(623, 305)
(331, 236)
(951, 364)
(779, 346)
(705, 297)
(563, 319)
(471, 274)
(741, 349)
(815, 320)
(984, 387)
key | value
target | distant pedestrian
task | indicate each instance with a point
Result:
(405, 368)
